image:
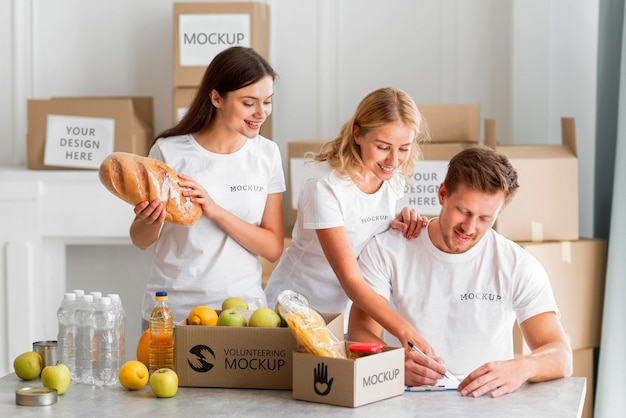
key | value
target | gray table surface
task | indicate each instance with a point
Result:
(558, 398)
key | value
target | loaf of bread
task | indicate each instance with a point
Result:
(135, 179)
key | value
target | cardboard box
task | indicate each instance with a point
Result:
(577, 272)
(585, 366)
(545, 207)
(452, 122)
(238, 357)
(350, 383)
(428, 175)
(295, 175)
(131, 119)
(182, 98)
(202, 30)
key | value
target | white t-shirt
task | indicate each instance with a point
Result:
(464, 305)
(201, 264)
(328, 201)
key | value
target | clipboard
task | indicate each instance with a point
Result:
(442, 385)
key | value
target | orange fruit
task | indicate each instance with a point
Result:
(202, 315)
(133, 375)
(143, 348)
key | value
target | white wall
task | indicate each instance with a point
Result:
(527, 62)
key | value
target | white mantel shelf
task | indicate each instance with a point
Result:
(41, 211)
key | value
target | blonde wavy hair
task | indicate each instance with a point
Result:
(378, 108)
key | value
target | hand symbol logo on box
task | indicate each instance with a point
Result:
(321, 384)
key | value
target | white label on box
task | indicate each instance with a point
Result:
(180, 113)
(77, 141)
(426, 177)
(202, 36)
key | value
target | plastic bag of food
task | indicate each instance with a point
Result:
(309, 327)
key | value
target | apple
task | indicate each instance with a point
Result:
(28, 365)
(231, 318)
(164, 383)
(234, 303)
(265, 317)
(56, 377)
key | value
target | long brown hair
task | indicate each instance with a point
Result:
(378, 108)
(232, 69)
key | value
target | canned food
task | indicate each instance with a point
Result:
(36, 396)
(48, 352)
(357, 350)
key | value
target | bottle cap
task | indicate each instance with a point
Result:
(36, 396)
(161, 293)
(368, 348)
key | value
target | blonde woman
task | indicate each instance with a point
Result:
(350, 194)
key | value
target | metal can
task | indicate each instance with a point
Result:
(48, 351)
(35, 396)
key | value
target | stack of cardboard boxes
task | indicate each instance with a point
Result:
(203, 30)
(542, 218)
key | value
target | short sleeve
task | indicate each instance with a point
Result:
(320, 205)
(276, 181)
(533, 294)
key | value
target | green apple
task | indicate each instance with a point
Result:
(231, 318)
(56, 377)
(164, 383)
(28, 365)
(234, 303)
(265, 317)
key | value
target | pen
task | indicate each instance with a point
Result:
(449, 375)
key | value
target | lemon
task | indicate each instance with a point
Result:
(133, 375)
(202, 315)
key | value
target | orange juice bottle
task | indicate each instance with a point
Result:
(161, 335)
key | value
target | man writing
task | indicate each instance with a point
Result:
(462, 285)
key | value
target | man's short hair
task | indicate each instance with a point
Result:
(483, 169)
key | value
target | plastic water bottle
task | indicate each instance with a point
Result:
(161, 335)
(105, 344)
(84, 340)
(66, 336)
(116, 300)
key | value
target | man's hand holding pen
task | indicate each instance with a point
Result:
(421, 369)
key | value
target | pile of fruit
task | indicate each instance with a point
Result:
(235, 313)
(29, 366)
(134, 374)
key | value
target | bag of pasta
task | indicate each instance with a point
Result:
(308, 327)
